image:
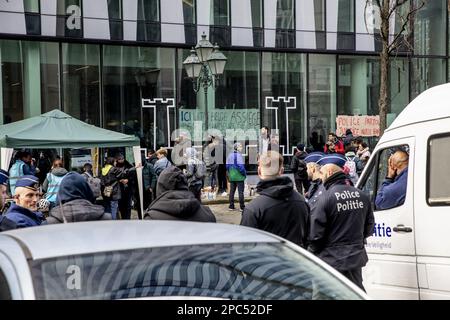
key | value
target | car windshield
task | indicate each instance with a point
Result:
(255, 271)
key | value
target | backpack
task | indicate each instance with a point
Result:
(351, 165)
(200, 169)
(94, 184)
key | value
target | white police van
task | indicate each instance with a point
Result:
(409, 253)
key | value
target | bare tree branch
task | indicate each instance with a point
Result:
(393, 44)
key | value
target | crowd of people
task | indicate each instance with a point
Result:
(323, 213)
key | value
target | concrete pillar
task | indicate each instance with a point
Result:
(359, 86)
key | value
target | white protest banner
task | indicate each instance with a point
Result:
(361, 126)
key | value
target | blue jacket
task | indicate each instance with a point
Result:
(392, 192)
(23, 217)
(19, 169)
(235, 161)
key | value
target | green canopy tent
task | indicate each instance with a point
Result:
(57, 129)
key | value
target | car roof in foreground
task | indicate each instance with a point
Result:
(91, 237)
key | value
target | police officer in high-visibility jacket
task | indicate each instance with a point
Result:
(341, 221)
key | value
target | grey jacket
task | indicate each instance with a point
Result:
(79, 210)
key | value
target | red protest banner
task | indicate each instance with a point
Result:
(364, 126)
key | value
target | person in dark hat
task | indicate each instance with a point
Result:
(5, 223)
(341, 221)
(315, 178)
(298, 167)
(24, 211)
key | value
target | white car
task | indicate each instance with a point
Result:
(161, 259)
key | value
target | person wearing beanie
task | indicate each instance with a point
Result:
(278, 208)
(298, 167)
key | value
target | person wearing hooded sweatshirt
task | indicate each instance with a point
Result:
(237, 175)
(174, 201)
(278, 209)
(298, 167)
(76, 202)
(53, 181)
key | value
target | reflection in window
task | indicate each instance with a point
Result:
(438, 183)
(358, 88)
(64, 4)
(81, 79)
(399, 87)
(257, 13)
(49, 76)
(426, 73)
(189, 11)
(133, 73)
(319, 14)
(31, 6)
(284, 75)
(429, 28)
(149, 28)
(285, 14)
(346, 16)
(322, 99)
(12, 80)
(220, 13)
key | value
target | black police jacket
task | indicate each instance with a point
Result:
(340, 222)
(280, 210)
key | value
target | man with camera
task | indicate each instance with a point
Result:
(334, 145)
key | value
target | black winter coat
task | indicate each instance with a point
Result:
(340, 222)
(280, 210)
(175, 202)
(298, 165)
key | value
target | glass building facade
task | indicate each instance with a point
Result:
(293, 65)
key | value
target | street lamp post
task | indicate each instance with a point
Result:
(204, 67)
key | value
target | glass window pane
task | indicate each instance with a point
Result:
(285, 14)
(429, 28)
(359, 85)
(426, 73)
(399, 87)
(257, 14)
(148, 10)
(189, 11)
(49, 76)
(12, 80)
(220, 13)
(319, 14)
(115, 9)
(322, 99)
(31, 6)
(129, 75)
(438, 181)
(81, 80)
(174, 271)
(284, 76)
(64, 4)
(346, 16)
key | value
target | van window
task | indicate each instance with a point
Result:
(438, 182)
(373, 183)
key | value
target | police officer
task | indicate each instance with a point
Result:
(24, 211)
(315, 179)
(341, 221)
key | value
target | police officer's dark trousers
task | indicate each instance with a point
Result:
(355, 276)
